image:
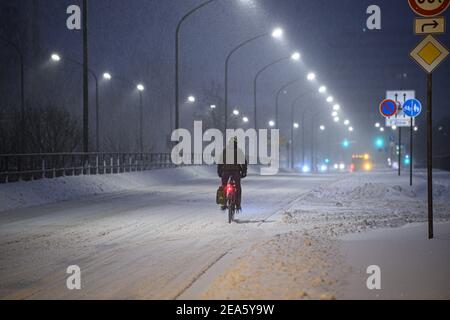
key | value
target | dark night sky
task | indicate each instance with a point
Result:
(135, 38)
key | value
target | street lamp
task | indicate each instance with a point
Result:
(277, 100)
(236, 112)
(381, 129)
(350, 129)
(346, 122)
(377, 125)
(336, 107)
(271, 123)
(213, 106)
(245, 119)
(177, 60)
(277, 33)
(296, 125)
(330, 99)
(255, 82)
(311, 76)
(322, 128)
(336, 119)
(334, 114)
(140, 89)
(296, 56)
(323, 90)
(55, 57)
(191, 99)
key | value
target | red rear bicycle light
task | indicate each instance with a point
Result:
(230, 188)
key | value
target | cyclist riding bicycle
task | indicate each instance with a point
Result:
(233, 168)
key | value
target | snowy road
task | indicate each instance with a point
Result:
(159, 235)
(146, 243)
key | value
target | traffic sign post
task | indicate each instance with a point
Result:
(429, 54)
(412, 108)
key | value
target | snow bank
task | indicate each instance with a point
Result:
(412, 266)
(367, 201)
(45, 191)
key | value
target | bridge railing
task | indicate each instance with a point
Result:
(26, 167)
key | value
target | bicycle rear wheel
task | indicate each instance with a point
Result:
(231, 209)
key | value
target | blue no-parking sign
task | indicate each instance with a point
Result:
(388, 108)
(412, 108)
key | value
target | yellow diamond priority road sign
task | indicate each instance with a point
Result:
(429, 54)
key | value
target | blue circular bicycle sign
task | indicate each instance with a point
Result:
(412, 108)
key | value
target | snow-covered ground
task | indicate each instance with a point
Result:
(159, 234)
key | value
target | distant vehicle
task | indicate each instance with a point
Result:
(361, 163)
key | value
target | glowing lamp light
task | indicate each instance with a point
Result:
(296, 56)
(55, 57)
(277, 33)
(322, 89)
(311, 76)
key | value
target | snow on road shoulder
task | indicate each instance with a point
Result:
(289, 266)
(362, 202)
(31, 193)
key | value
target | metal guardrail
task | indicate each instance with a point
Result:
(27, 167)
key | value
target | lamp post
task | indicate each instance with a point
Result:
(57, 58)
(140, 88)
(177, 60)
(295, 56)
(277, 100)
(22, 92)
(276, 33)
(85, 79)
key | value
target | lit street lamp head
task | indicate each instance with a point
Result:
(236, 112)
(140, 87)
(191, 99)
(322, 89)
(377, 125)
(213, 106)
(347, 122)
(334, 114)
(296, 125)
(272, 123)
(107, 76)
(277, 33)
(336, 107)
(350, 129)
(245, 119)
(296, 56)
(311, 76)
(336, 119)
(56, 57)
(330, 99)
(322, 128)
